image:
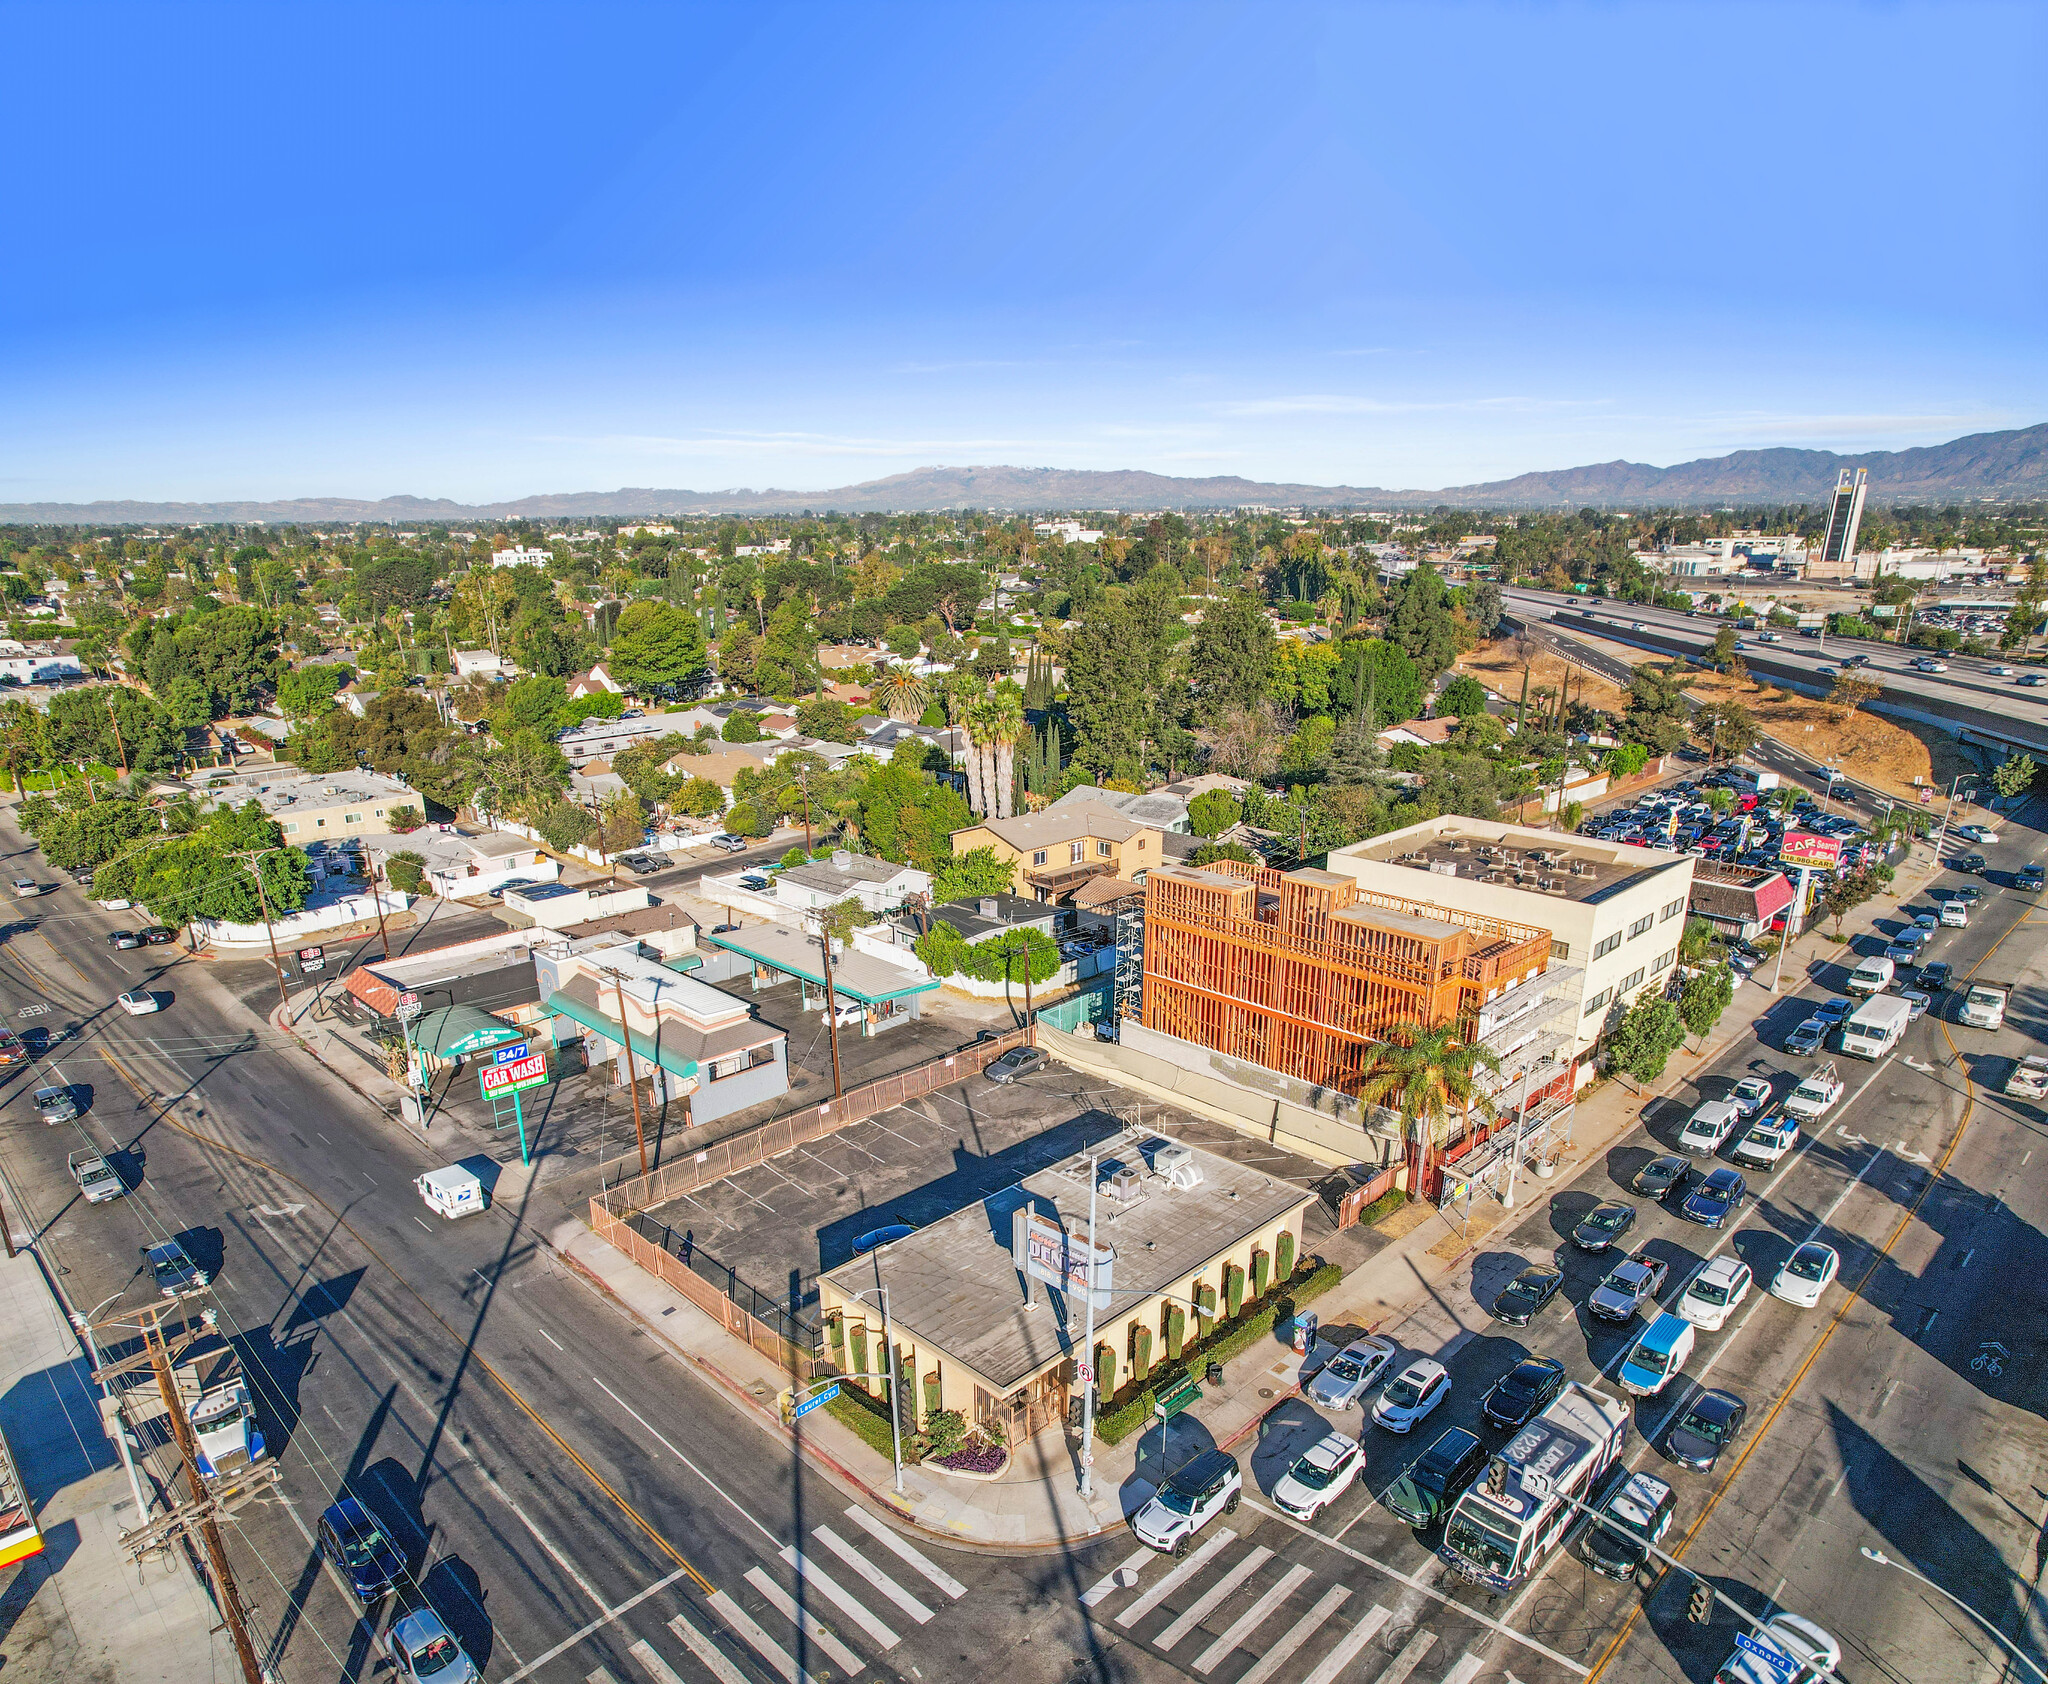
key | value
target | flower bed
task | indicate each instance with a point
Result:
(975, 1461)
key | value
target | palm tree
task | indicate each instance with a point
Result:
(901, 694)
(1006, 721)
(1427, 1074)
(972, 721)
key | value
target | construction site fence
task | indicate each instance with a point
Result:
(782, 1134)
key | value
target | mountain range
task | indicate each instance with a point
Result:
(2005, 465)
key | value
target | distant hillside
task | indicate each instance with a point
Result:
(1998, 465)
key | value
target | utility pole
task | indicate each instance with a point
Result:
(803, 782)
(119, 747)
(377, 899)
(255, 856)
(831, 1007)
(632, 1070)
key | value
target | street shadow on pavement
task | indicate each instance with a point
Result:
(1162, 1449)
(1285, 1432)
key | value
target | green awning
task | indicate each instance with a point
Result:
(684, 962)
(458, 1031)
(563, 1005)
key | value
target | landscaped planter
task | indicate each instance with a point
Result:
(974, 1461)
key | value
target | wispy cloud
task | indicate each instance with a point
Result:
(1346, 403)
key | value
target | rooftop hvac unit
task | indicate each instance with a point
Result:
(987, 906)
(1444, 868)
(841, 860)
(1177, 1165)
(1126, 1185)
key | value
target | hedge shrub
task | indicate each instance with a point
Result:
(1383, 1206)
(867, 1416)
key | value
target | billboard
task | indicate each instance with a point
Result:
(1807, 847)
(1044, 1251)
(528, 1072)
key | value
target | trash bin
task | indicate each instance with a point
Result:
(1214, 1374)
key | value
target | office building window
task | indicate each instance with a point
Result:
(1675, 908)
(1606, 946)
(1599, 1001)
(1641, 924)
(1631, 980)
(1664, 961)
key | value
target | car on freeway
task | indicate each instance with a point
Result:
(123, 939)
(56, 1104)
(1017, 1062)
(1603, 1225)
(1411, 1395)
(1715, 1293)
(2000, 672)
(351, 1538)
(727, 844)
(1708, 1128)
(1523, 1298)
(1635, 1516)
(1628, 1287)
(1750, 1096)
(29, 889)
(1928, 921)
(1352, 1372)
(140, 1002)
(1320, 1476)
(1974, 864)
(1637, 625)
(1515, 1398)
(1715, 1199)
(1661, 1177)
(1933, 978)
(1977, 833)
(1204, 1487)
(172, 1268)
(1902, 952)
(1708, 1426)
(2033, 681)
(1802, 1653)
(1835, 1009)
(1806, 1040)
(1806, 1274)
(424, 1651)
(2031, 878)
(1826, 672)
(1927, 663)
(1436, 1479)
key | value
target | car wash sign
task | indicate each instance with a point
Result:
(1044, 1251)
(516, 1075)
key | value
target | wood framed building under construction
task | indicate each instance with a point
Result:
(1300, 971)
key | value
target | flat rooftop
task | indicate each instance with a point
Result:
(1538, 862)
(954, 1286)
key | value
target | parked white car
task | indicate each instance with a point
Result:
(1351, 1373)
(1715, 1293)
(1411, 1395)
(1320, 1477)
(1806, 1274)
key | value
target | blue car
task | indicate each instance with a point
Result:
(1715, 1199)
(351, 1538)
(1834, 1010)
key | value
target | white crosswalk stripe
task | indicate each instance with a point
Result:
(1198, 1610)
(1180, 1575)
(808, 1571)
(1131, 1563)
(1250, 1620)
(873, 1574)
(758, 1640)
(1297, 1634)
(915, 1557)
(814, 1628)
(600, 1675)
(700, 1645)
(1348, 1646)
(1418, 1645)
(1465, 1671)
(655, 1667)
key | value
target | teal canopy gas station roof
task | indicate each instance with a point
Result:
(458, 1031)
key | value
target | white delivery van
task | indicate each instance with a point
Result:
(1875, 1027)
(453, 1191)
(1873, 976)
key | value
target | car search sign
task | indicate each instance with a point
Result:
(1809, 847)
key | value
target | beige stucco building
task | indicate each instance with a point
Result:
(1615, 913)
(1187, 1227)
(1055, 851)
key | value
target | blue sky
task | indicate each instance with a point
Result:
(480, 252)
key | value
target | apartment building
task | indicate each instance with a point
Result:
(1615, 913)
(328, 806)
(1055, 851)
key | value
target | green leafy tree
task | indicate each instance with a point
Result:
(1231, 654)
(564, 825)
(828, 720)
(657, 648)
(1483, 607)
(307, 692)
(743, 727)
(2014, 776)
(1727, 730)
(406, 871)
(1657, 714)
(1421, 622)
(697, 798)
(977, 872)
(1465, 696)
(83, 727)
(1645, 1039)
(24, 740)
(1214, 811)
(1704, 999)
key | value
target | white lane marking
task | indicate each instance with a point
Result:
(1348, 1645)
(422, 1224)
(1107, 1583)
(1250, 1620)
(705, 1650)
(1421, 1588)
(1404, 1663)
(692, 1466)
(1465, 1671)
(873, 1574)
(814, 1628)
(915, 1557)
(1178, 1577)
(807, 1570)
(598, 1624)
(758, 1640)
(1193, 1614)
(552, 1340)
(1296, 1635)
(541, 1538)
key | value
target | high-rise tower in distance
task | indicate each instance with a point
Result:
(1845, 515)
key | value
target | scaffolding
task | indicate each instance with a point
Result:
(1127, 986)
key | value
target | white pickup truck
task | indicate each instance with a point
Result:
(96, 1178)
(1984, 1005)
(2029, 1078)
(1816, 1096)
(1768, 1140)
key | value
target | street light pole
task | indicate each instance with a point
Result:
(632, 1070)
(894, 1370)
(831, 1008)
(1088, 1349)
(1884, 1560)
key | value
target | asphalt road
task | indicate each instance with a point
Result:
(1996, 707)
(568, 1492)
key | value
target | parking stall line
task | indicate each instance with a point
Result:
(1250, 1620)
(873, 1574)
(1174, 1580)
(850, 1606)
(758, 1640)
(1297, 1634)
(1197, 1610)
(913, 1556)
(813, 1627)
